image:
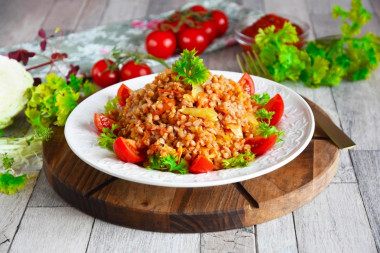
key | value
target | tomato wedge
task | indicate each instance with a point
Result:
(276, 105)
(201, 164)
(123, 93)
(102, 121)
(248, 84)
(127, 151)
(260, 144)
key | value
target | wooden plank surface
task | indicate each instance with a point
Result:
(237, 240)
(106, 237)
(20, 20)
(277, 235)
(367, 168)
(53, 229)
(335, 221)
(12, 209)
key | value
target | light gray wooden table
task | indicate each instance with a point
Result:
(343, 218)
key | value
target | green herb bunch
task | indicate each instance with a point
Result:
(325, 61)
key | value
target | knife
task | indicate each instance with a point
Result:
(327, 125)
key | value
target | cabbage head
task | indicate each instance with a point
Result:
(14, 83)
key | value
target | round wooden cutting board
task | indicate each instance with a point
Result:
(189, 210)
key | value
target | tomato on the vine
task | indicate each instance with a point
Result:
(161, 44)
(221, 20)
(131, 70)
(102, 75)
(172, 26)
(209, 27)
(199, 8)
(193, 38)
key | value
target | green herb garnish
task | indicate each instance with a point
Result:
(325, 61)
(261, 99)
(111, 105)
(108, 137)
(263, 114)
(242, 160)
(168, 163)
(51, 102)
(190, 68)
(9, 183)
(266, 130)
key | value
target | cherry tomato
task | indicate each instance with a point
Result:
(102, 121)
(276, 105)
(131, 70)
(260, 144)
(102, 76)
(123, 93)
(161, 44)
(209, 27)
(248, 84)
(191, 38)
(127, 151)
(221, 20)
(199, 8)
(201, 164)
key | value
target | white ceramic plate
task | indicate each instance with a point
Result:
(82, 137)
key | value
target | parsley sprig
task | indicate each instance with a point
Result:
(266, 130)
(190, 68)
(263, 114)
(108, 137)
(242, 160)
(261, 99)
(168, 163)
(326, 61)
(10, 183)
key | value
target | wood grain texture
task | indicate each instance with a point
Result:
(57, 16)
(277, 235)
(376, 7)
(11, 210)
(44, 195)
(64, 229)
(239, 240)
(335, 221)
(20, 24)
(91, 15)
(106, 237)
(120, 10)
(367, 168)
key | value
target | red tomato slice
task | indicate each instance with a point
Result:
(276, 105)
(201, 164)
(248, 83)
(260, 145)
(102, 121)
(127, 151)
(123, 93)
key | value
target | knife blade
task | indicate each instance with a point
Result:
(341, 140)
